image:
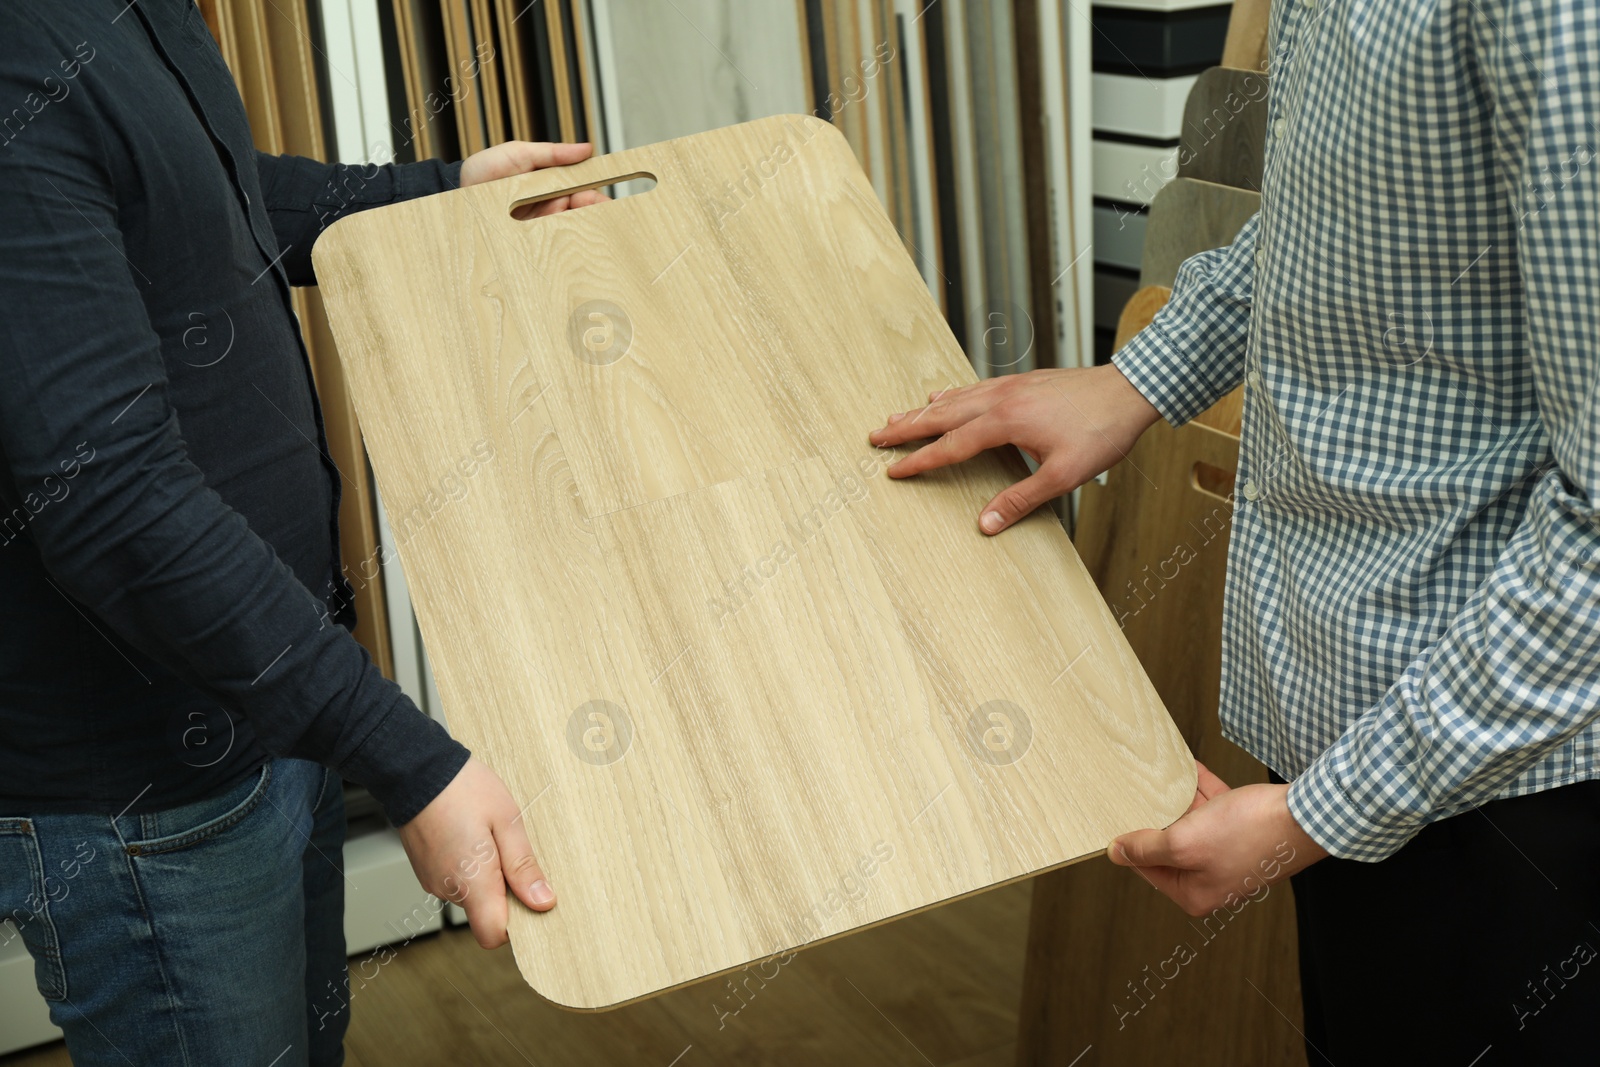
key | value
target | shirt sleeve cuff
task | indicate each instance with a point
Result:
(430, 176)
(405, 761)
(1334, 819)
(1158, 370)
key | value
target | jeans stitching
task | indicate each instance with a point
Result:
(323, 788)
(42, 921)
(155, 943)
(226, 820)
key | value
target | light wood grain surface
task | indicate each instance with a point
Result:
(1246, 43)
(753, 694)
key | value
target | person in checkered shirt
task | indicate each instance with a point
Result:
(1411, 632)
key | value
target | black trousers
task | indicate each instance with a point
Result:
(1476, 945)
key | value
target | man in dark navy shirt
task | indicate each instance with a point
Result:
(169, 556)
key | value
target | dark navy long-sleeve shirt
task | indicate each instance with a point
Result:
(169, 568)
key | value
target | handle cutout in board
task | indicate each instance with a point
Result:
(639, 182)
(1212, 481)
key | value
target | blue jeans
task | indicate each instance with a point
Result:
(194, 936)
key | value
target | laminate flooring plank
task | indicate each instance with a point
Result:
(679, 606)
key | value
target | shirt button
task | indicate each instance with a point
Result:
(1279, 128)
(1310, 3)
(1251, 490)
(1253, 379)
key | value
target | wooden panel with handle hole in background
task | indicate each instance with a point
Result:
(753, 694)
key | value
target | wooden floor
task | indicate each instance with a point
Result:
(940, 988)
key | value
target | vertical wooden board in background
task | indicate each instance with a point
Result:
(1005, 332)
(811, 56)
(848, 86)
(570, 72)
(1036, 179)
(965, 187)
(509, 40)
(466, 91)
(1064, 113)
(921, 189)
(487, 52)
(942, 181)
(1189, 216)
(902, 207)
(1224, 128)
(875, 100)
(1245, 47)
(444, 115)
(557, 60)
(545, 92)
(295, 74)
(590, 121)
(254, 74)
(415, 127)
(218, 17)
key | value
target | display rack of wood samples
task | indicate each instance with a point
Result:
(473, 73)
(946, 109)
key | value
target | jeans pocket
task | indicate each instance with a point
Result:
(26, 893)
(184, 827)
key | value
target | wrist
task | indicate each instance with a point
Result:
(1306, 849)
(1132, 405)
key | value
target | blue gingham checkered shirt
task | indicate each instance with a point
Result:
(1412, 619)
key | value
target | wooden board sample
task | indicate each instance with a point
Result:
(557, 60)
(1190, 216)
(471, 119)
(1138, 311)
(1224, 128)
(753, 694)
(1246, 44)
(514, 65)
(490, 61)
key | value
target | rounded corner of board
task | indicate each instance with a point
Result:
(576, 1004)
(330, 243)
